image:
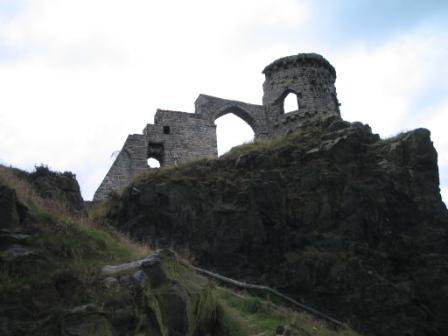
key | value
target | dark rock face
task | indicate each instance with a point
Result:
(11, 211)
(62, 187)
(332, 215)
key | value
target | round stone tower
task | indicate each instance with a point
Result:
(310, 79)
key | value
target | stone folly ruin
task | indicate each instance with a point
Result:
(181, 136)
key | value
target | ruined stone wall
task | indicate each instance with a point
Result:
(177, 137)
(130, 161)
(174, 137)
(190, 136)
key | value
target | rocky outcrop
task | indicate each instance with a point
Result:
(61, 187)
(14, 228)
(149, 297)
(62, 275)
(12, 212)
(157, 296)
(332, 215)
(48, 285)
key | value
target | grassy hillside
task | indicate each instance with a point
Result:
(57, 278)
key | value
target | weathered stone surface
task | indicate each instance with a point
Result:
(332, 215)
(16, 251)
(110, 282)
(7, 237)
(177, 137)
(171, 299)
(165, 297)
(132, 266)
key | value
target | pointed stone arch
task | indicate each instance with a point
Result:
(239, 112)
(212, 108)
(233, 128)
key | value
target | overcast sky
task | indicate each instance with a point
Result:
(78, 76)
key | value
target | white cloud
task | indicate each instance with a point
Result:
(383, 86)
(444, 193)
(89, 72)
(438, 119)
(378, 85)
(92, 71)
(437, 122)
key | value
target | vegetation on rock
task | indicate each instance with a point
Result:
(331, 215)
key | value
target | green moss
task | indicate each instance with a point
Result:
(182, 295)
(263, 316)
(231, 322)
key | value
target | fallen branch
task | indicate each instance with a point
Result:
(272, 291)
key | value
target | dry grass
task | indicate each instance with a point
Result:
(139, 249)
(15, 179)
(61, 216)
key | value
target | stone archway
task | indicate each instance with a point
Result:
(211, 108)
(233, 128)
(239, 112)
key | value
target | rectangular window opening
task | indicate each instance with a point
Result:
(166, 130)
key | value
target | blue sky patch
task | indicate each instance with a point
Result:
(10, 8)
(348, 21)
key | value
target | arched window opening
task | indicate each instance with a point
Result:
(291, 103)
(153, 163)
(232, 131)
(155, 154)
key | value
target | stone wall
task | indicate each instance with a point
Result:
(179, 136)
(185, 136)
